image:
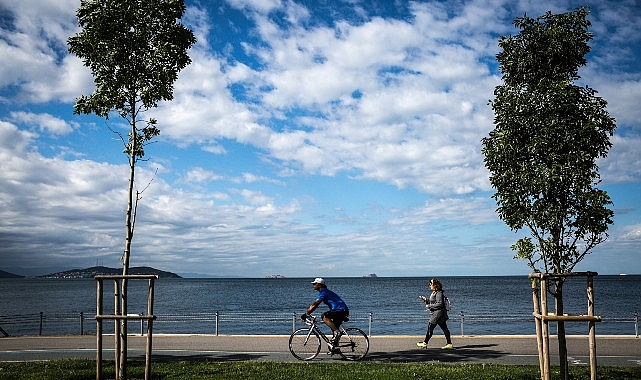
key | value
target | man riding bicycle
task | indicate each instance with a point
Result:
(338, 311)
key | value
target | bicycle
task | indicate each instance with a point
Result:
(305, 342)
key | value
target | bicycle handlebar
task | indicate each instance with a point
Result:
(308, 318)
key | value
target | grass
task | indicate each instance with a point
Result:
(174, 370)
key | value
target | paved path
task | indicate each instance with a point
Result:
(611, 350)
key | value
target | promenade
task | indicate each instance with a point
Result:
(614, 350)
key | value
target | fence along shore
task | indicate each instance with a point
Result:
(245, 323)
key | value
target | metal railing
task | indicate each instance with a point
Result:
(245, 323)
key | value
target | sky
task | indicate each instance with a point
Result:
(307, 138)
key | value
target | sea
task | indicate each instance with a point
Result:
(493, 305)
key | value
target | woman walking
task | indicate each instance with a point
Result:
(438, 314)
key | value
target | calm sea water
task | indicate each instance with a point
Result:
(384, 306)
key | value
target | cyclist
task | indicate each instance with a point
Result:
(338, 311)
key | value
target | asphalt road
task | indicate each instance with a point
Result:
(611, 350)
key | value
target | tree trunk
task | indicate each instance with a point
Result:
(129, 224)
(563, 349)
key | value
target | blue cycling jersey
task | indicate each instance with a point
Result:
(332, 300)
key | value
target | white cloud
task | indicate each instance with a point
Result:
(634, 233)
(69, 80)
(44, 122)
(622, 95)
(472, 210)
(262, 6)
(419, 90)
(13, 138)
(199, 175)
(624, 162)
(204, 109)
(34, 52)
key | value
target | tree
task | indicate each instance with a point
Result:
(135, 50)
(542, 152)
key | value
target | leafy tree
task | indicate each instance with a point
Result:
(542, 152)
(135, 50)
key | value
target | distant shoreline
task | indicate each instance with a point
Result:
(91, 272)
(205, 277)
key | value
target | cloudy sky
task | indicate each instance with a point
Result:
(307, 138)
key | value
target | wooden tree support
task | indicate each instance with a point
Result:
(117, 316)
(542, 318)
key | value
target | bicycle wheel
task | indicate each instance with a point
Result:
(353, 344)
(304, 344)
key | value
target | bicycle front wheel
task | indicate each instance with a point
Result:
(304, 344)
(353, 344)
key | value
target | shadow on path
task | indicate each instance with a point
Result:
(468, 353)
(206, 357)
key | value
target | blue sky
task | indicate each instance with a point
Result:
(307, 138)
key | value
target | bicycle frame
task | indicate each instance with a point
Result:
(313, 326)
(305, 343)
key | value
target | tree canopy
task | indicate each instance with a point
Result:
(549, 133)
(135, 50)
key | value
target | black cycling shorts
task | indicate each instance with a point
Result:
(337, 317)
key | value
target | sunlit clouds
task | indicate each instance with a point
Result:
(324, 138)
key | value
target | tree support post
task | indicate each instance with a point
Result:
(537, 322)
(591, 328)
(542, 319)
(120, 318)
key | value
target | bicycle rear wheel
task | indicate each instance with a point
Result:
(304, 344)
(353, 344)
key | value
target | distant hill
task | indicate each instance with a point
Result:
(100, 270)
(4, 274)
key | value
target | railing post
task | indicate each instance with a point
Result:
(142, 325)
(216, 323)
(636, 324)
(462, 321)
(293, 322)
(82, 324)
(99, 309)
(40, 332)
(369, 327)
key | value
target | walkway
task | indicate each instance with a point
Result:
(611, 350)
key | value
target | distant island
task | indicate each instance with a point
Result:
(100, 270)
(275, 276)
(4, 274)
(371, 275)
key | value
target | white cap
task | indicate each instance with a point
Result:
(319, 280)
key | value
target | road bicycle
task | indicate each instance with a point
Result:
(305, 343)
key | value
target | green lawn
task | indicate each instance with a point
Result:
(86, 369)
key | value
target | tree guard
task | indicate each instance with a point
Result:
(542, 318)
(119, 316)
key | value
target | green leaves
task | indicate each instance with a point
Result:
(548, 135)
(525, 250)
(136, 144)
(135, 49)
(548, 49)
